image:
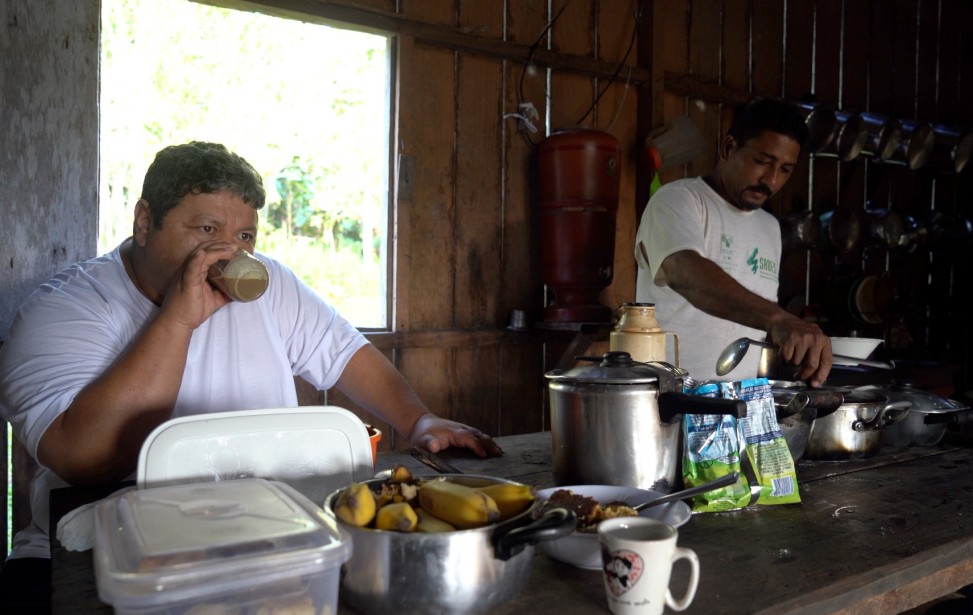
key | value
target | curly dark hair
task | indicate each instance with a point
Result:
(768, 114)
(198, 167)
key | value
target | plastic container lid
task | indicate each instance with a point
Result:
(314, 449)
(157, 547)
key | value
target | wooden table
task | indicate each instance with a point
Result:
(873, 536)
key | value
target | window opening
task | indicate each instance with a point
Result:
(308, 105)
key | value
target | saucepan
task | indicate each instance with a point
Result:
(797, 408)
(929, 419)
(854, 429)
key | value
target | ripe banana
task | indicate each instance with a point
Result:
(398, 517)
(356, 505)
(459, 505)
(511, 498)
(431, 525)
(400, 474)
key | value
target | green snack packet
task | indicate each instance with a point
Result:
(716, 445)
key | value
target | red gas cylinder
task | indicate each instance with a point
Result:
(579, 180)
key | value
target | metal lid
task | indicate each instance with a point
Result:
(614, 367)
(922, 401)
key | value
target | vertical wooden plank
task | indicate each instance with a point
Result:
(479, 215)
(427, 135)
(573, 31)
(521, 364)
(767, 36)
(827, 85)
(797, 85)
(964, 117)
(854, 93)
(793, 58)
(571, 96)
(670, 52)
(474, 386)
(735, 70)
(799, 54)
(948, 58)
(522, 386)
(616, 113)
(705, 37)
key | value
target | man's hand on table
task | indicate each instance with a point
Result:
(434, 434)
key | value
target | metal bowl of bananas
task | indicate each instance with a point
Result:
(445, 543)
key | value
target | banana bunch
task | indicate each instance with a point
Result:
(406, 504)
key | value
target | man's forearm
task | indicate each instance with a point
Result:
(99, 436)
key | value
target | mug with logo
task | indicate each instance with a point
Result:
(637, 556)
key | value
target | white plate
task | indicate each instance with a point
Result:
(581, 548)
(314, 449)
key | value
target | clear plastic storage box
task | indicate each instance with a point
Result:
(247, 547)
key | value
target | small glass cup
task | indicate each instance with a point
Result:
(242, 278)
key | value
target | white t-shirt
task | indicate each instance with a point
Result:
(245, 356)
(688, 214)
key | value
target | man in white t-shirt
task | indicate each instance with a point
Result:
(112, 347)
(709, 256)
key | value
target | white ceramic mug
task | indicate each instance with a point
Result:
(637, 555)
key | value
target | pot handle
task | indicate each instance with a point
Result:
(672, 404)
(890, 414)
(960, 420)
(555, 523)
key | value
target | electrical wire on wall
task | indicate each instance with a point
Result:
(527, 112)
(618, 69)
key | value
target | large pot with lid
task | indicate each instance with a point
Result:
(930, 417)
(614, 421)
(854, 429)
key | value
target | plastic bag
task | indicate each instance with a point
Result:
(716, 445)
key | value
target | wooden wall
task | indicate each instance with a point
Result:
(466, 225)
(906, 59)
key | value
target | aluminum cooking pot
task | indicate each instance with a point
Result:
(615, 422)
(466, 571)
(930, 417)
(854, 430)
(797, 408)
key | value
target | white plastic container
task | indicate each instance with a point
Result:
(244, 546)
(314, 449)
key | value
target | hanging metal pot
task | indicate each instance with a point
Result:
(615, 422)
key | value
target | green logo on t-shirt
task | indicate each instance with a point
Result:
(753, 260)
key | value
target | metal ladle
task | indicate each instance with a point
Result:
(735, 351)
(723, 481)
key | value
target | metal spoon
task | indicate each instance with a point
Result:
(735, 351)
(723, 481)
